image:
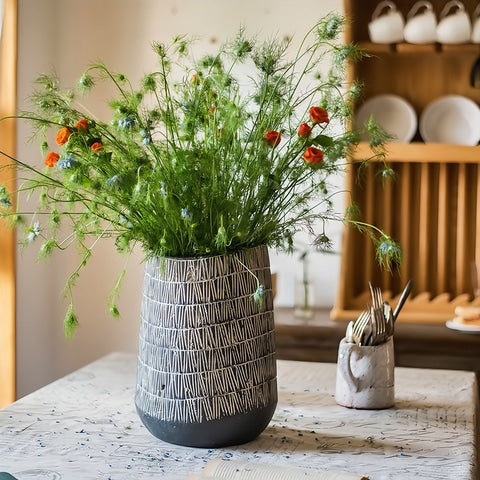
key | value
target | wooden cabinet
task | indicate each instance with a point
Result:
(432, 207)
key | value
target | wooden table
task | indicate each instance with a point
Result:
(84, 426)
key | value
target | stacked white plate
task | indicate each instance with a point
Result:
(393, 113)
(451, 119)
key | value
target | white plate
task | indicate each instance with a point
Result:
(393, 113)
(461, 327)
(451, 119)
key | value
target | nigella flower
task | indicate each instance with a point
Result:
(127, 122)
(258, 294)
(186, 214)
(147, 138)
(124, 221)
(67, 162)
(190, 106)
(33, 232)
(386, 248)
(4, 198)
(163, 189)
(388, 252)
(114, 182)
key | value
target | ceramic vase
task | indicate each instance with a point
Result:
(206, 372)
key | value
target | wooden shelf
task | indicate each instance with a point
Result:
(418, 152)
(432, 207)
(410, 48)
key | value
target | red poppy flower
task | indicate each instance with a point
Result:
(96, 147)
(304, 130)
(318, 115)
(51, 159)
(62, 136)
(313, 155)
(273, 137)
(82, 125)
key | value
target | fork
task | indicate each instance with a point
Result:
(358, 328)
(377, 315)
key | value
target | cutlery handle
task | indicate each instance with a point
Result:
(402, 299)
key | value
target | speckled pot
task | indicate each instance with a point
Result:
(206, 365)
(365, 375)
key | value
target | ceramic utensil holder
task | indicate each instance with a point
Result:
(365, 375)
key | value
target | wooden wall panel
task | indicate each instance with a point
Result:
(8, 60)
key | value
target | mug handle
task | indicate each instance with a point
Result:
(452, 4)
(346, 370)
(414, 10)
(381, 6)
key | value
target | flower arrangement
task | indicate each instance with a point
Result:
(199, 159)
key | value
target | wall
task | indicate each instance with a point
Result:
(65, 36)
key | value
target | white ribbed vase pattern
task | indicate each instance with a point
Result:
(206, 346)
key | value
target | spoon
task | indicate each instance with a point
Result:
(402, 299)
(349, 333)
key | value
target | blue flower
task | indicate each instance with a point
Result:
(33, 232)
(258, 294)
(387, 248)
(147, 138)
(127, 122)
(186, 214)
(163, 189)
(114, 182)
(66, 163)
(190, 106)
(125, 221)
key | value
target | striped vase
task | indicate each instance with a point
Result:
(206, 364)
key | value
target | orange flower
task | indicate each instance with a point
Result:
(304, 130)
(62, 136)
(51, 159)
(273, 137)
(96, 147)
(313, 155)
(318, 115)
(82, 125)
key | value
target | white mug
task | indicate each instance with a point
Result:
(476, 25)
(387, 24)
(365, 375)
(421, 27)
(454, 25)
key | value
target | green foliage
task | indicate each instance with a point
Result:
(188, 165)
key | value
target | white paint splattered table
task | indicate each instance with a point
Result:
(84, 426)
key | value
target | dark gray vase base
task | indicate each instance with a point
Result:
(224, 432)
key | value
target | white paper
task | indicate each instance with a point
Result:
(221, 469)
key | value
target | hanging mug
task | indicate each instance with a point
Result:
(421, 26)
(387, 24)
(476, 25)
(454, 25)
